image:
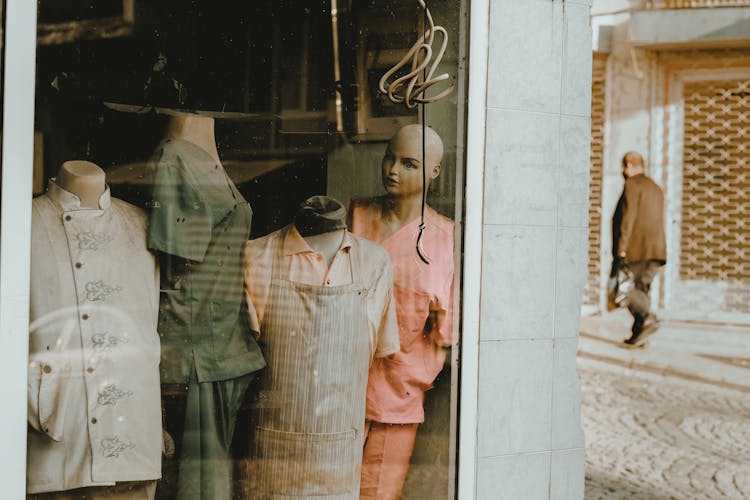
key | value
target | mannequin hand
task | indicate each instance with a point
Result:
(168, 450)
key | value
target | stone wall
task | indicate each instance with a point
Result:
(530, 443)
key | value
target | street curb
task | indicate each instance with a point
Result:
(664, 370)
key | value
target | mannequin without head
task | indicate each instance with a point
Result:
(320, 222)
(194, 128)
(84, 179)
(326, 244)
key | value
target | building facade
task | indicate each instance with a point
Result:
(670, 81)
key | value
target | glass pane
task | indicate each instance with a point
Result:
(238, 288)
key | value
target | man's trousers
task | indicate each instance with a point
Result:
(639, 302)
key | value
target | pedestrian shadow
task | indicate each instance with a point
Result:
(601, 486)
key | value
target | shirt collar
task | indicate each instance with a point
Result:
(69, 201)
(294, 243)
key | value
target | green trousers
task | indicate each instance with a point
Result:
(205, 460)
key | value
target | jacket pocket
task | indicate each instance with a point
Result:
(52, 402)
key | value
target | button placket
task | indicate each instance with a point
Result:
(81, 275)
(91, 378)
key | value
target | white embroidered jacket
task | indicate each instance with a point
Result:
(93, 395)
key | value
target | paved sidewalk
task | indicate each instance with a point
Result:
(651, 437)
(713, 353)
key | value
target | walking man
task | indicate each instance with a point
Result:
(638, 241)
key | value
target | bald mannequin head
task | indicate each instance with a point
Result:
(402, 162)
(412, 134)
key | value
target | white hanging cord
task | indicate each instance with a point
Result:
(411, 90)
(408, 89)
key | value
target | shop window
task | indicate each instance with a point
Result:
(245, 274)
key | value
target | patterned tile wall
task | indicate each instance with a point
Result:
(715, 196)
(591, 291)
(716, 181)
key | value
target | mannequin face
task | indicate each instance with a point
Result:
(402, 166)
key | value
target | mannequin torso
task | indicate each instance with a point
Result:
(84, 179)
(198, 223)
(88, 253)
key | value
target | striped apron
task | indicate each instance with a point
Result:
(308, 440)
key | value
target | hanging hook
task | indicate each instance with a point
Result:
(420, 250)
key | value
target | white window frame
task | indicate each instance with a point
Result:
(15, 239)
(15, 242)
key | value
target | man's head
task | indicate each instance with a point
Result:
(402, 162)
(632, 164)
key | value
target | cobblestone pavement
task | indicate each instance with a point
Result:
(650, 437)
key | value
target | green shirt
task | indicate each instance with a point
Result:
(200, 223)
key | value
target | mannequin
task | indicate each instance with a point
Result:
(423, 296)
(193, 128)
(84, 179)
(198, 225)
(93, 346)
(326, 244)
(320, 221)
(322, 303)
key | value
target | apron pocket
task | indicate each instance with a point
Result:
(301, 464)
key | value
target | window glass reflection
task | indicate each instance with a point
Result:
(244, 279)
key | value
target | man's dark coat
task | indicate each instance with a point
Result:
(638, 223)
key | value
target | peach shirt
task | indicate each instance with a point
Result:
(397, 384)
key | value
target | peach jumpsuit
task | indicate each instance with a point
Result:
(397, 384)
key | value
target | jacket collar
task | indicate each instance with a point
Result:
(69, 201)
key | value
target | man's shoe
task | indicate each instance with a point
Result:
(634, 341)
(649, 327)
